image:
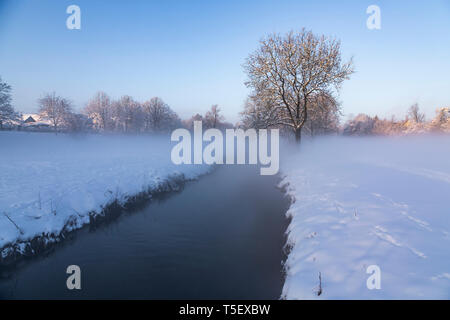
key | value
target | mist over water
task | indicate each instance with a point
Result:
(224, 235)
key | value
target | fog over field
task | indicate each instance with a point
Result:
(370, 201)
(230, 150)
(356, 202)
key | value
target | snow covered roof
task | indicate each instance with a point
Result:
(29, 119)
(34, 119)
(34, 116)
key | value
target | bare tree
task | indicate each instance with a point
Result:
(127, 115)
(159, 117)
(252, 117)
(286, 71)
(7, 112)
(55, 109)
(441, 123)
(77, 122)
(213, 117)
(189, 123)
(323, 115)
(99, 110)
(362, 124)
(259, 114)
(415, 114)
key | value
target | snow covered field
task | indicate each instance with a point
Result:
(50, 183)
(369, 201)
(357, 202)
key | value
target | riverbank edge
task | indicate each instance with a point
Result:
(21, 249)
(283, 186)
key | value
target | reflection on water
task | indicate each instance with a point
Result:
(222, 237)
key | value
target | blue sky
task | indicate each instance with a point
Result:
(190, 53)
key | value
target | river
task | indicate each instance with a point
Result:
(221, 237)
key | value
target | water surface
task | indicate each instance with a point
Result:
(222, 237)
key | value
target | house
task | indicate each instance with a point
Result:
(34, 122)
(29, 119)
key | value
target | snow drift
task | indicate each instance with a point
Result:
(51, 184)
(369, 201)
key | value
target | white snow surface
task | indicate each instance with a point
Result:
(47, 179)
(369, 201)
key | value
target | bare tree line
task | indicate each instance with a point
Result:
(103, 114)
(413, 123)
(130, 116)
(127, 115)
(213, 118)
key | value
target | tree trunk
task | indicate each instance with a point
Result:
(298, 135)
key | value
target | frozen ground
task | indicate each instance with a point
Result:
(48, 180)
(369, 201)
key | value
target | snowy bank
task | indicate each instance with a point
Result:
(359, 202)
(52, 184)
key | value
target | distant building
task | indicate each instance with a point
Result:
(34, 122)
(29, 119)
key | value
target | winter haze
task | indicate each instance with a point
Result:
(238, 150)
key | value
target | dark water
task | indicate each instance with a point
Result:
(222, 237)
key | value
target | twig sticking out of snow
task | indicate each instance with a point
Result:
(52, 210)
(18, 228)
(319, 292)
